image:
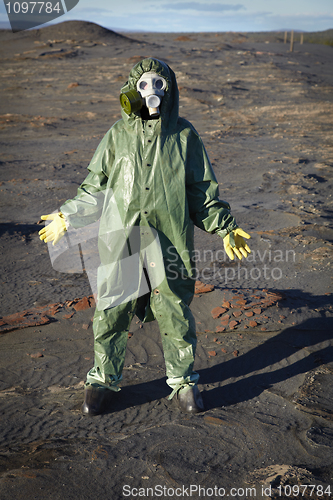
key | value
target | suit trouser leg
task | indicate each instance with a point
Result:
(178, 333)
(110, 328)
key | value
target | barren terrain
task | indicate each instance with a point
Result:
(265, 328)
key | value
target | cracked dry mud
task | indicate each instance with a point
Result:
(265, 329)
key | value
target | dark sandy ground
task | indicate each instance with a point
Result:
(265, 116)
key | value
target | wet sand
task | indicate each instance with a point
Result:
(264, 331)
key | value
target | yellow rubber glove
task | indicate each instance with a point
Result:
(234, 244)
(55, 230)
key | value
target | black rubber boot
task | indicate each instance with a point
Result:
(190, 401)
(94, 400)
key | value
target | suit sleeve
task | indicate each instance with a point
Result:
(87, 205)
(207, 211)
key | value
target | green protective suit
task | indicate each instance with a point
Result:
(148, 178)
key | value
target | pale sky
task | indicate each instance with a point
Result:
(202, 15)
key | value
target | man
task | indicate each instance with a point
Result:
(157, 182)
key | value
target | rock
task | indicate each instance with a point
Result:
(237, 314)
(36, 355)
(220, 329)
(82, 304)
(53, 309)
(253, 324)
(235, 353)
(257, 310)
(232, 324)
(249, 314)
(24, 319)
(202, 287)
(92, 301)
(217, 312)
(72, 85)
(212, 353)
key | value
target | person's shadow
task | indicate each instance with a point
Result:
(279, 351)
(13, 228)
(256, 367)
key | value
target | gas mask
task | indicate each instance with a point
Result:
(150, 90)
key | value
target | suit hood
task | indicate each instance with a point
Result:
(169, 110)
